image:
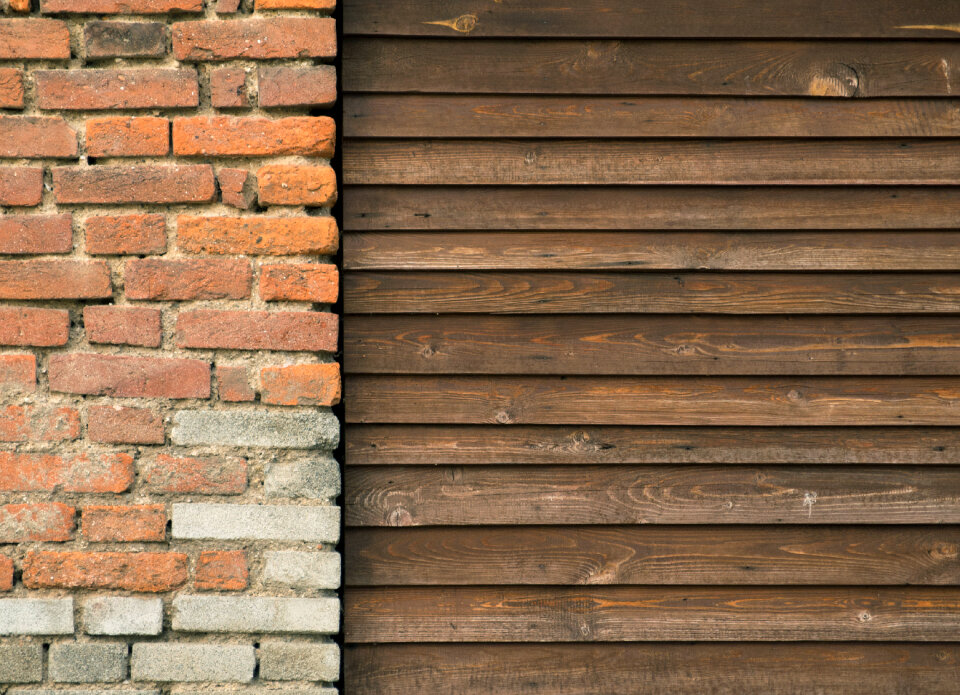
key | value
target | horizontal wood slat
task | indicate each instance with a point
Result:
(707, 555)
(655, 67)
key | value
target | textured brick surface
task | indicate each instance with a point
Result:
(36, 234)
(299, 661)
(316, 477)
(133, 571)
(256, 522)
(126, 234)
(302, 570)
(268, 236)
(21, 663)
(204, 475)
(36, 616)
(125, 523)
(256, 614)
(221, 570)
(120, 615)
(193, 662)
(88, 663)
(250, 428)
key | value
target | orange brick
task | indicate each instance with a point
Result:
(34, 39)
(268, 236)
(128, 376)
(36, 137)
(24, 523)
(21, 186)
(185, 279)
(6, 573)
(116, 523)
(18, 373)
(300, 282)
(115, 325)
(297, 86)
(237, 188)
(116, 425)
(22, 234)
(289, 184)
(146, 88)
(233, 384)
(32, 472)
(296, 4)
(126, 234)
(301, 384)
(120, 6)
(44, 279)
(143, 572)
(252, 136)
(258, 39)
(11, 88)
(128, 137)
(145, 183)
(221, 571)
(208, 475)
(20, 325)
(258, 330)
(37, 423)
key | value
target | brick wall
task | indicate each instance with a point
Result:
(167, 483)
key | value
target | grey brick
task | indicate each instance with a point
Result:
(21, 663)
(36, 616)
(299, 661)
(193, 662)
(302, 570)
(25, 691)
(256, 522)
(316, 478)
(72, 662)
(256, 614)
(300, 429)
(302, 690)
(118, 615)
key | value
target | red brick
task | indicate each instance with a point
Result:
(36, 234)
(18, 374)
(116, 425)
(125, 39)
(143, 572)
(114, 325)
(228, 88)
(233, 384)
(116, 523)
(37, 137)
(254, 137)
(291, 184)
(228, 6)
(38, 423)
(34, 38)
(123, 88)
(54, 280)
(11, 88)
(24, 523)
(6, 573)
(36, 327)
(237, 188)
(221, 571)
(257, 330)
(300, 282)
(276, 37)
(297, 86)
(296, 4)
(134, 184)
(126, 234)
(69, 473)
(209, 475)
(127, 376)
(301, 384)
(128, 137)
(19, 5)
(269, 236)
(209, 278)
(21, 186)
(119, 6)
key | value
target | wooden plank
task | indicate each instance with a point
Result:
(654, 67)
(533, 400)
(642, 614)
(650, 207)
(653, 669)
(650, 293)
(634, 345)
(573, 250)
(876, 19)
(577, 445)
(704, 555)
(640, 162)
(520, 116)
(559, 495)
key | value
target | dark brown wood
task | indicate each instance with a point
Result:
(643, 614)
(703, 555)
(654, 67)
(652, 18)
(653, 669)
(654, 207)
(576, 445)
(521, 116)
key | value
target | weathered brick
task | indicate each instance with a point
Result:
(126, 234)
(306, 571)
(19, 5)
(54, 280)
(201, 136)
(141, 572)
(34, 38)
(45, 521)
(145, 183)
(228, 88)
(22, 234)
(114, 325)
(234, 384)
(20, 325)
(301, 384)
(291, 184)
(18, 374)
(269, 236)
(38, 423)
(256, 522)
(125, 39)
(193, 662)
(124, 523)
(120, 88)
(228, 6)
(116, 425)
(123, 136)
(11, 88)
(257, 330)
(221, 571)
(286, 430)
(276, 37)
(84, 472)
(299, 661)
(36, 616)
(119, 6)
(296, 4)
(237, 188)
(297, 86)
(72, 662)
(300, 282)
(6, 584)
(316, 477)
(209, 278)
(21, 663)
(127, 376)
(204, 475)
(36, 137)
(255, 614)
(21, 186)
(119, 615)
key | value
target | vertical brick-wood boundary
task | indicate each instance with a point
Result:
(168, 487)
